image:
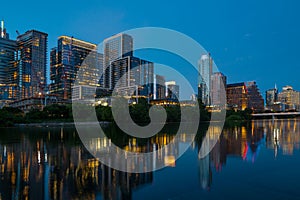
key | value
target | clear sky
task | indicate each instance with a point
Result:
(249, 40)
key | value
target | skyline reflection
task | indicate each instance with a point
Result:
(245, 143)
(51, 163)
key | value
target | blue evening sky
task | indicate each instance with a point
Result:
(249, 40)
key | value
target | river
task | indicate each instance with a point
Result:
(260, 160)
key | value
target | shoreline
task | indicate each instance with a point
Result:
(54, 124)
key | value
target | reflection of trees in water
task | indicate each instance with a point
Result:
(113, 132)
(51, 163)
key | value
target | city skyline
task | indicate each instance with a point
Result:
(149, 99)
(243, 41)
(48, 71)
(116, 48)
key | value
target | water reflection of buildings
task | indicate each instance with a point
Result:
(56, 166)
(284, 135)
(165, 142)
(246, 142)
(52, 164)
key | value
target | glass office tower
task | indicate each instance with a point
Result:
(115, 47)
(66, 59)
(131, 73)
(32, 61)
(204, 80)
(9, 75)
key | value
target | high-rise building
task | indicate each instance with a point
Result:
(115, 47)
(67, 58)
(205, 65)
(290, 98)
(130, 74)
(172, 90)
(218, 92)
(159, 87)
(271, 96)
(32, 47)
(9, 73)
(255, 99)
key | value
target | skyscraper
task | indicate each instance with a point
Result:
(115, 47)
(9, 74)
(204, 80)
(218, 92)
(271, 96)
(131, 73)
(32, 47)
(65, 61)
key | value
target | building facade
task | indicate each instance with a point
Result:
(244, 95)
(9, 73)
(172, 90)
(115, 47)
(218, 91)
(255, 99)
(32, 61)
(205, 65)
(236, 95)
(272, 98)
(70, 56)
(290, 98)
(160, 88)
(131, 75)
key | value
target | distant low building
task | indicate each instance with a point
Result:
(165, 102)
(39, 103)
(172, 90)
(290, 98)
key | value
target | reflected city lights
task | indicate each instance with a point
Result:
(53, 164)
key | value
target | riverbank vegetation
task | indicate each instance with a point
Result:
(139, 113)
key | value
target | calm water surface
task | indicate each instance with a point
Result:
(258, 161)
